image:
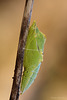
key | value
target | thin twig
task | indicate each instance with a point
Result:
(20, 53)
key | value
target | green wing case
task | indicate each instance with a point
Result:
(33, 56)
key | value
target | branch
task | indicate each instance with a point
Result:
(20, 53)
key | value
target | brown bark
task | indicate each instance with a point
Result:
(20, 53)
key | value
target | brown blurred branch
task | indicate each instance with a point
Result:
(20, 53)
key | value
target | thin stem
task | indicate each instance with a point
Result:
(20, 53)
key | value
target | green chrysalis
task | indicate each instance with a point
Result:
(33, 56)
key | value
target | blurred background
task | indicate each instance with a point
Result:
(51, 18)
